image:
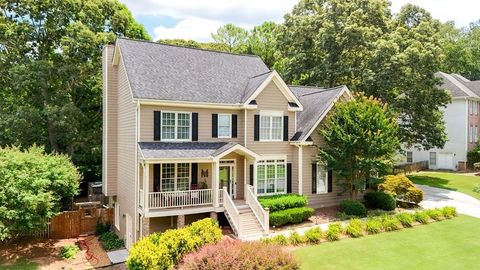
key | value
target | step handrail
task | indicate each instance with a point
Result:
(261, 213)
(232, 211)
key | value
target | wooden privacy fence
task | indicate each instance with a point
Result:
(411, 167)
(71, 224)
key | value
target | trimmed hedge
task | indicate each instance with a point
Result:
(164, 250)
(353, 208)
(290, 216)
(380, 200)
(400, 187)
(281, 202)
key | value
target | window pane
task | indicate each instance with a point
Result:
(168, 125)
(271, 178)
(168, 177)
(280, 178)
(264, 128)
(224, 131)
(321, 178)
(277, 128)
(261, 179)
(183, 126)
(224, 120)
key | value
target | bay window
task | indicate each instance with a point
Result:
(176, 126)
(271, 176)
(271, 128)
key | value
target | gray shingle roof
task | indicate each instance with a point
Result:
(315, 102)
(458, 86)
(166, 150)
(167, 72)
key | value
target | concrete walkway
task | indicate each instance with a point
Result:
(439, 197)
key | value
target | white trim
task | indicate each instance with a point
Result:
(282, 86)
(235, 148)
(300, 169)
(229, 115)
(191, 104)
(116, 219)
(137, 179)
(178, 160)
(245, 115)
(176, 127)
(105, 128)
(275, 162)
(271, 115)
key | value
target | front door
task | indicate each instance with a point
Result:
(227, 179)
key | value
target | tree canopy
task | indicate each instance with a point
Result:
(361, 141)
(50, 75)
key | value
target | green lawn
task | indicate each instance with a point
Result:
(449, 244)
(452, 181)
(20, 265)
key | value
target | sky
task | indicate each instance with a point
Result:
(197, 19)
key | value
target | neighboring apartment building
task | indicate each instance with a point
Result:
(191, 133)
(462, 123)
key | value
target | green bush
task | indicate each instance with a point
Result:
(69, 251)
(476, 188)
(102, 228)
(421, 217)
(296, 239)
(355, 228)
(400, 187)
(434, 214)
(390, 223)
(334, 232)
(110, 241)
(473, 157)
(342, 216)
(406, 219)
(280, 239)
(373, 225)
(449, 212)
(284, 201)
(290, 216)
(380, 200)
(164, 250)
(353, 207)
(314, 235)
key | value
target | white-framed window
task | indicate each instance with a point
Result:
(174, 176)
(433, 158)
(475, 107)
(470, 107)
(409, 156)
(224, 125)
(271, 176)
(176, 126)
(271, 127)
(470, 133)
(117, 216)
(322, 178)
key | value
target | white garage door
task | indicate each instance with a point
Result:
(445, 161)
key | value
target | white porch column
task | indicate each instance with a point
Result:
(215, 181)
(146, 180)
(300, 170)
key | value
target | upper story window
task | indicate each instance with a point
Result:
(470, 107)
(176, 126)
(224, 126)
(271, 127)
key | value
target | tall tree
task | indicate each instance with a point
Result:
(234, 37)
(50, 75)
(361, 142)
(360, 44)
(261, 42)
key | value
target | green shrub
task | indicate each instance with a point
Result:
(164, 251)
(267, 240)
(379, 212)
(314, 235)
(449, 212)
(355, 228)
(280, 239)
(390, 223)
(373, 225)
(380, 200)
(102, 228)
(421, 217)
(476, 188)
(434, 214)
(353, 207)
(110, 241)
(284, 201)
(296, 239)
(473, 156)
(400, 187)
(343, 216)
(334, 232)
(69, 251)
(290, 216)
(406, 219)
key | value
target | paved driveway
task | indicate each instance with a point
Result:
(439, 197)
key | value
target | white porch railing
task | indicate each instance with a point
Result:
(231, 212)
(141, 198)
(169, 199)
(261, 213)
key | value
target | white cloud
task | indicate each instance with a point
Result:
(190, 28)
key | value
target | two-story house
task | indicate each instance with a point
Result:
(190, 133)
(462, 122)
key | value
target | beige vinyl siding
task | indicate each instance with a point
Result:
(110, 114)
(126, 166)
(204, 122)
(272, 99)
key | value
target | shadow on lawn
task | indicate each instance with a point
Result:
(431, 181)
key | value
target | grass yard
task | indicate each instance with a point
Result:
(20, 265)
(452, 181)
(451, 244)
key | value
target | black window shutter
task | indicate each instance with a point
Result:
(251, 175)
(156, 177)
(194, 169)
(314, 178)
(256, 128)
(330, 180)
(157, 125)
(289, 177)
(214, 125)
(234, 126)
(195, 127)
(285, 128)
